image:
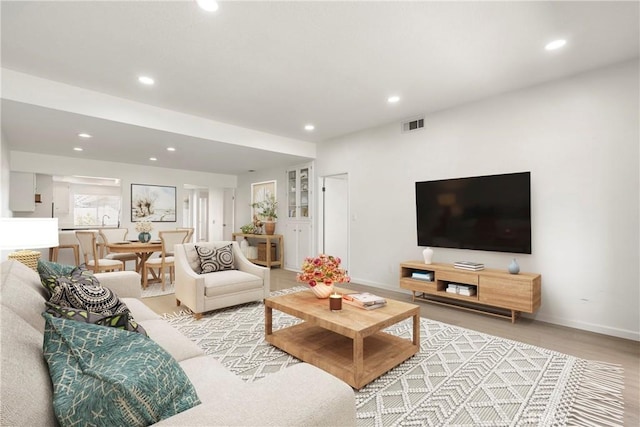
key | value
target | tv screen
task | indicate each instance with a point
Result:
(490, 213)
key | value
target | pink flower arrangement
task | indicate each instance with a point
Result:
(323, 269)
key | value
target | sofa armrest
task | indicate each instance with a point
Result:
(126, 284)
(189, 284)
(243, 264)
(301, 395)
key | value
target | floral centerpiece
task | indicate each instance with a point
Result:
(144, 228)
(321, 273)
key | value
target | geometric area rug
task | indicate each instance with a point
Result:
(458, 378)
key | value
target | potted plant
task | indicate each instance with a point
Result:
(267, 210)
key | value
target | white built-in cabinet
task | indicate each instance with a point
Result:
(299, 193)
(61, 198)
(298, 237)
(297, 244)
(22, 192)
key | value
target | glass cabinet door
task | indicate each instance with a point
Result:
(299, 193)
(292, 205)
(304, 193)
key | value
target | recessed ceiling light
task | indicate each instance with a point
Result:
(393, 99)
(208, 5)
(171, 149)
(153, 159)
(84, 135)
(146, 80)
(77, 149)
(556, 44)
(309, 127)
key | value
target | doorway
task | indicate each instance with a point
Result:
(196, 212)
(334, 216)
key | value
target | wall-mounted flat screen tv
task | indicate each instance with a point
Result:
(489, 213)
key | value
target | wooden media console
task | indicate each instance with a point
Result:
(497, 292)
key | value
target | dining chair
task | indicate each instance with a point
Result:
(189, 235)
(89, 248)
(66, 240)
(112, 235)
(169, 239)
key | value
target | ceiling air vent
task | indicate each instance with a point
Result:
(413, 124)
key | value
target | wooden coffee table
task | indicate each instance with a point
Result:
(349, 343)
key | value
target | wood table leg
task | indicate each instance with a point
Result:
(268, 320)
(358, 358)
(416, 329)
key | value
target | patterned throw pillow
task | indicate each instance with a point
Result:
(50, 271)
(82, 290)
(212, 260)
(112, 376)
(122, 321)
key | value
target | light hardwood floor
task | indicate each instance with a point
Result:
(582, 344)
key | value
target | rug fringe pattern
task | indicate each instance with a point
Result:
(598, 399)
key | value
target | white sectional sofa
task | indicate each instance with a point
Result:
(301, 395)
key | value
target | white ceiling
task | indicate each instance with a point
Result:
(275, 66)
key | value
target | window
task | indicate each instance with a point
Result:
(96, 210)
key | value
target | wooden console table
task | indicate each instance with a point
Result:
(494, 289)
(268, 238)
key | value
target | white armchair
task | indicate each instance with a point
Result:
(205, 292)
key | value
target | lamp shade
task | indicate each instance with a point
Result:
(28, 233)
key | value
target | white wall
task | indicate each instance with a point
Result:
(4, 177)
(578, 137)
(134, 174)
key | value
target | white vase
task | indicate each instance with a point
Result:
(514, 268)
(427, 254)
(321, 290)
(244, 247)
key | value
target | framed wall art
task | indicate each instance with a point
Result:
(261, 191)
(155, 203)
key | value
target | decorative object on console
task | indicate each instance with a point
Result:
(514, 268)
(428, 255)
(248, 228)
(144, 228)
(468, 265)
(26, 234)
(321, 273)
(267, 211)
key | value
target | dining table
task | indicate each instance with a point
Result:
(143, 250)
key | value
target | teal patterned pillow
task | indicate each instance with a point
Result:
(121, 321)
(110, 377)
(50, 271)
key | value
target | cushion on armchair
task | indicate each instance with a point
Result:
(113, 376)
(215, 259)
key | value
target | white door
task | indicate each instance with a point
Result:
(228, 214)
(334, 217)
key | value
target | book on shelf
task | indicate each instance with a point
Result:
(467, 290)
(364, 307)
(364, 299)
